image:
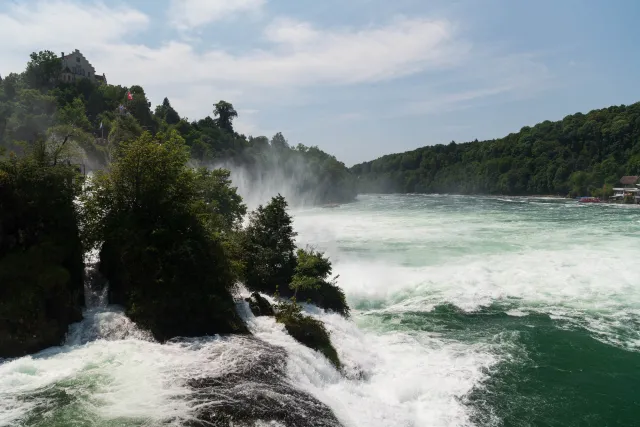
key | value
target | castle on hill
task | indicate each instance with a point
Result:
(75, 66)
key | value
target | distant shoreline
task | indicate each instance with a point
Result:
(549, 196)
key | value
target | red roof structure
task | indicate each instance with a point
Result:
(629, 180)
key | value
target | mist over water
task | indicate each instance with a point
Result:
(257, 187)
(466, 311)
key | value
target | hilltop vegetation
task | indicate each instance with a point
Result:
(581, 154)
(85, 122)
(169, 235)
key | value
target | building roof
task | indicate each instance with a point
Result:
(628, 180)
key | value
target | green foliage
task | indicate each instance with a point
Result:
(629, 199)
(269, 261)
(310, 282)
(43, 70)
(268, 247)
(306, 330)
(71, 127)
(604, 193)
(164, 260)
(225, 113)
(167, 113)
(28, 110)
(170, 237)
(576, 155)
(220, 200)
(138, 107)
(278, 142)
(123, 128)
(41, 264)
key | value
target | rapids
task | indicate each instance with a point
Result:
(466, 311)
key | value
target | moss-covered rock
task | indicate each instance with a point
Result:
(259, 305)
(307, 331)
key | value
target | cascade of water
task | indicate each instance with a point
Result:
(101, 320)
(96, 287)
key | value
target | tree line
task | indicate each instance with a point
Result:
(82, 119)
(580, 155)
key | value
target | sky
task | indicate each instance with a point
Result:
(357, 78)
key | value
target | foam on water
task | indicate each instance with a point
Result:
(394, 379)
(574, 266)
(395, 255)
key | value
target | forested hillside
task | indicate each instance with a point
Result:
(85, 122)
(579, 155)
(171, 239)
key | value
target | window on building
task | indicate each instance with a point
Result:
(77, 59)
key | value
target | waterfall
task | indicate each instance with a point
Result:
(101, 320)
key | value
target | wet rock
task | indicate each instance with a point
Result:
(259, 305)
(313, 334)
(255, 389)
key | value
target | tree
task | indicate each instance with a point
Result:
(219, 198)
(43, 70)
(41, 255)
(167, 113)
(279, 142)
(311, 272)
(138, 107)
(124, 128)
(71, 126)
(269, 247)
(165, 261)
(578, 155)
(11, 85)
(311, 282)
(225, 114)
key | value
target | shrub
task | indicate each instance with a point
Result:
(306, 330)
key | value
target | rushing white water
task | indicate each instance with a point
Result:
(399, 259)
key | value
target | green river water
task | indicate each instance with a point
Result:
(548, 287)
(467, 311)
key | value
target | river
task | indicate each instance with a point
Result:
(467, 311)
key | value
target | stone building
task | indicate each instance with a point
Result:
(75, 66)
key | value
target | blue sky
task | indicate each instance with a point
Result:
(358, 78)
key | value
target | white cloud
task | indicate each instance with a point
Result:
(62, 26)
(318, 57)
(298, 53)
(188, 14)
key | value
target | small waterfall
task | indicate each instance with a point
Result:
(101, 320)
(96, 287)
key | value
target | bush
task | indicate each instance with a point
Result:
(307, 330)
(310, 282)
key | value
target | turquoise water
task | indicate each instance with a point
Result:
(468, 311)
(548, 290)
